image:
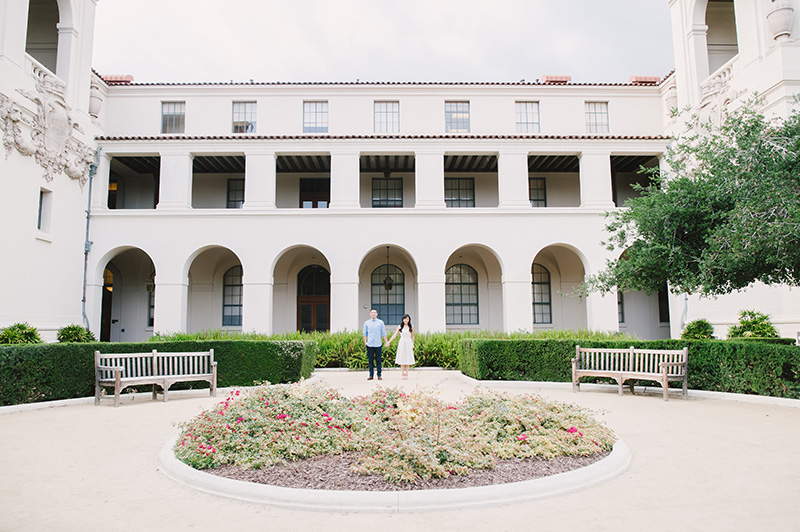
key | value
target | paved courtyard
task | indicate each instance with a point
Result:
(701, 464)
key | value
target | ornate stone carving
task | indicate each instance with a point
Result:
(51, 142)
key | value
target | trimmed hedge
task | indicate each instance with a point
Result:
(47, 372)
(749, 367)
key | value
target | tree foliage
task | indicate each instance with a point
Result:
(725, 213)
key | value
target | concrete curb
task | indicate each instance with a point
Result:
(604, 470)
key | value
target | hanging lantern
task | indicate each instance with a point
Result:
(387, 281)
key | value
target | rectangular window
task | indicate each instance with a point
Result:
(620, 307)
(459, 191)
(315, 193)
(387, 117)
(456, 117)
(173, 117)
(537, 191)
(315, 117)
(663, 305)
(235, 193)
(597, 117)
(244, 117)
(45, 210)
(387, 192)
(527, 117)
(151, 305)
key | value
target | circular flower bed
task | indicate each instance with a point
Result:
(401, 436)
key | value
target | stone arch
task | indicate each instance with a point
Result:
(566, 267)
(486, 263)
(287, 306)
(205, 271)
(127, 307)
(375, 259)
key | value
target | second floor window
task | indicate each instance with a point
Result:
(459, 192)
(235, 193)
(315, 193)
(244, 117)
(387, 192)
(315, 117)
(387, 117)
(527, 117)
(173, 117)
(537, 191)
(456, 117)
(597, 117)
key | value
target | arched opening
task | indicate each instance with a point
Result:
(215, 291)
(556, 275)
(41, 41)
(313, 299)
(128, 298)
(721, 40)
(473, 290)
(644, 315)
(388, 293)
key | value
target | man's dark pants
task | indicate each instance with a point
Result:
(374, 356)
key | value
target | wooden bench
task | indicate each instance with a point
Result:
(662, 365)
(159, 369)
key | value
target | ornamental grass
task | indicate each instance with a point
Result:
(403, 436)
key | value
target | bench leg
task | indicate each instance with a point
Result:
(96, 394)
(155, 393)
(619, 382)
(630, 385)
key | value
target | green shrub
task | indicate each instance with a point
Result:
(75, 333)
(20, 333)
(698, 330)
(752, 324)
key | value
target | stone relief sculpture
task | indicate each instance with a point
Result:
(51, 142)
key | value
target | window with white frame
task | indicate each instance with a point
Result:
(459, 191)
(173, 117)
(461, 295)
(45, 210)
(387, 192)
(151, 305)
(620, 307)
(232, 297)
(315, 117)
(244, 117)
(527, 117)
(597, 117)
(235, 193)
(537, 191)
(456, 117)
(542, 304)
(387, 117)
(389, 302)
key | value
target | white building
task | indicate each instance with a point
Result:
(274, 207)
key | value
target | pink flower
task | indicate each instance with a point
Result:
(572, 430)
(522, 437)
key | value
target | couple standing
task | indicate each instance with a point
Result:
(375, 331)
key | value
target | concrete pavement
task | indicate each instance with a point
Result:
(707, 463)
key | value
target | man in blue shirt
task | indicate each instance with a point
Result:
(374, 330)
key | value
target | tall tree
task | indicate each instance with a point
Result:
(725, 213)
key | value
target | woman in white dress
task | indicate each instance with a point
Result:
(405, 349)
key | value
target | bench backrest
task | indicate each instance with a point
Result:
(631, 359)
(155, 363)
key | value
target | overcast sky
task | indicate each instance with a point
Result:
(382, 40)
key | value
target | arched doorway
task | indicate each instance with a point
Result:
(128, 297)
(313, 299)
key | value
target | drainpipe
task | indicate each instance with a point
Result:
(87, 244)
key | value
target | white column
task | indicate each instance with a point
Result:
(66, 61)
(430, 293)
(100, 183)
(595, 179)
(512, 179)
(601, 312)
(344, 303)
(259, 180)
(517, 301)
(94, 305)
(175, 189)
(256, 304)
(429, 179)
(172, 296)
(13, 25)
(345, 177)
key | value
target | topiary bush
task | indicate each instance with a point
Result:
(76, 334)
(698, 330)
(20, 333)
(752, 324)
